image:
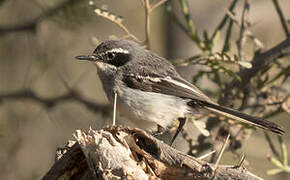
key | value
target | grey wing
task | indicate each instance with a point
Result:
(178, 87)
(168, 85)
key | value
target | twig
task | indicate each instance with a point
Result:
(257, 42)
(114, 18)
(148, 9)
(175, 18)
(241, 161)
(282, 162)
(248, 33)
(226, 47)
(158, 4)
(115, 109)
(222, 151)
(265, 104)
(224, 20)
(242, 38)
(284, 71)
(191, 31)
(283, 153)
(51, 102)
(206, 155)
(147, 22)
(281, 16)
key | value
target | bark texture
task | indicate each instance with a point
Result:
(117, 152)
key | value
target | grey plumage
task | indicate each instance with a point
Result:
(151, 91)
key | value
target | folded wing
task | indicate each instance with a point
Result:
(179, 87)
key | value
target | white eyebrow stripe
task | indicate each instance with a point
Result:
(119, 50)
(169, 79)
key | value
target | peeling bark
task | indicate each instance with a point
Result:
(117, 152)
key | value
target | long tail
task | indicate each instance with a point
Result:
(245, 118)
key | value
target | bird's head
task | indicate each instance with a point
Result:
(113, 53)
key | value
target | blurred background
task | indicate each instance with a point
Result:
(45, 94)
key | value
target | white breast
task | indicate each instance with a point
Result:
(148, 108)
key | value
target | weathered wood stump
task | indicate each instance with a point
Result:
(117, 152)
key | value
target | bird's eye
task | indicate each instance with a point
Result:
(110, 55)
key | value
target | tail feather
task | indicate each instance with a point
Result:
(245, 118)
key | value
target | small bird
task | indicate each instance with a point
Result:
(150, 91)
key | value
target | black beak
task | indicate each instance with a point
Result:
(87, 58)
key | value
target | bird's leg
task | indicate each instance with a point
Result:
(180, 126)
(159, 132)
(160, 129)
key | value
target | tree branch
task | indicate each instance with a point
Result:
(281, 17)
(51, 102)
(258, 63)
